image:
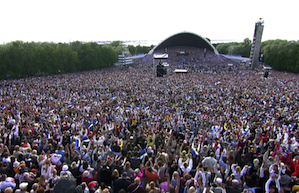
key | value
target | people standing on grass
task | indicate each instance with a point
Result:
(186, 127)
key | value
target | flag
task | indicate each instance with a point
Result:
(218, 82)
(246, 132)
(90, 125)
(225, 126)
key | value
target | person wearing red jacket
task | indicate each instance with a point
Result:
(88, 176)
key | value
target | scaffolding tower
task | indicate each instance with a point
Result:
(256, 43)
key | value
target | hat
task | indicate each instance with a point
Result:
(23, 185)
(234, 181)
(33, 170)
(218, 180)
(16, 164)
(10, 179)
(65, 167)
(92, 184)
(85, 173)
(149, 150)
(124, 174)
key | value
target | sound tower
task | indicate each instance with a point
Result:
(160, 70)
(266, 74)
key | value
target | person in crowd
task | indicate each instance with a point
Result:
(136, 186)
(121, 183)
(7, 182)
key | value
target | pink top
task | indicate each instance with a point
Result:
(140, 175)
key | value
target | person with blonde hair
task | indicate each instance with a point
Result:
(192, 190)
(34, 188)
(114, 176)
(139, 172)
(42, 181)
(106, 190)
(8, 190)
(174, 179)
(129, 170)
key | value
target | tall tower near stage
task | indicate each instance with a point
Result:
(256, 43)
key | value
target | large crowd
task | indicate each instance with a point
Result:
(126, 130)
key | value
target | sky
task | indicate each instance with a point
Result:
(152, 20)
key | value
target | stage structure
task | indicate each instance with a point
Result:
(256, 43)
(160, 61)
(125, 59)
(178, 71)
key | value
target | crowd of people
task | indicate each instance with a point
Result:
(126, 130)
(197, 60)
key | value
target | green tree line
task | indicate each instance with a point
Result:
(118, 47)
(282, 55)
(134, 50)
(235, 48)
(21, 59)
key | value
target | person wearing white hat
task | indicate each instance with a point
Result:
(219, 186)
(23, 187)
(65, 171)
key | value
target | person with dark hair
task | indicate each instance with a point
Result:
(135, 160)
(210, 161)
(150, 174)
(116, 148)
(6, 182)
(235, 187)
(105, 175)
(151, 187)
(121, 183)
(75, 170)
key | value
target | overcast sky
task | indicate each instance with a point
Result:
(99, 20)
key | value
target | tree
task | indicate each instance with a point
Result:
(247, 41)
(235, 48)
(22, 59)
(115, 43)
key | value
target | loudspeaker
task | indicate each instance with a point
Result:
(160, 70)
(266, 74)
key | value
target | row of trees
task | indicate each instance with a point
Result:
(282, 55)
(235, 48)
(140, 49)
(134, 50)
(22, 59)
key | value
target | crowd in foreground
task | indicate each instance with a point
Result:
(118, 131)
